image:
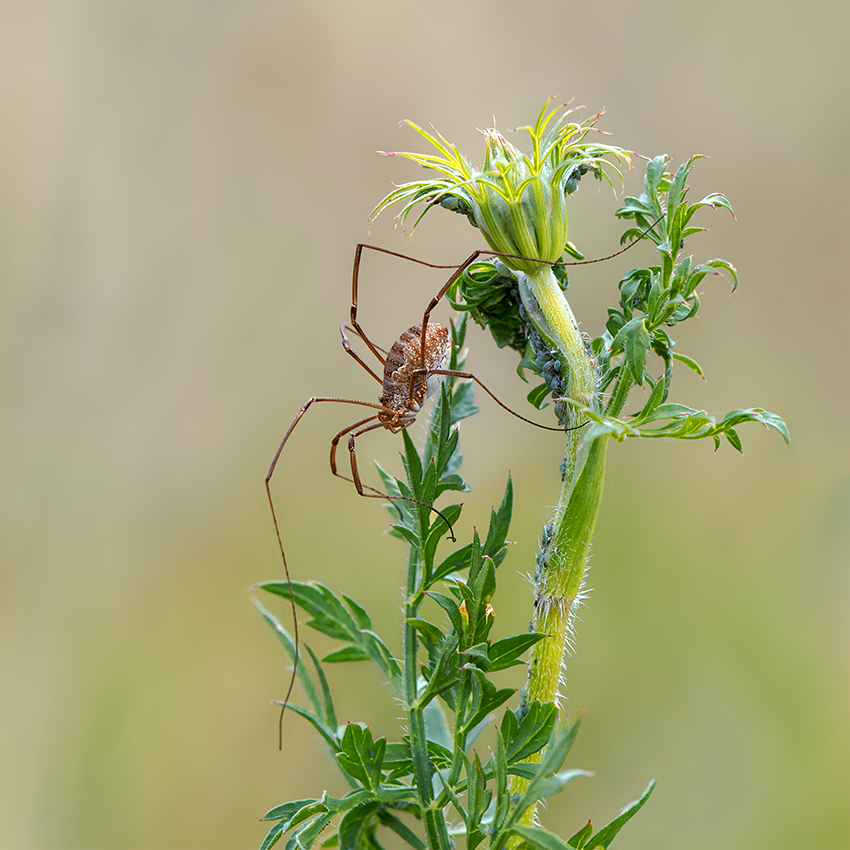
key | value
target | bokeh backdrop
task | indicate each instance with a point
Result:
(183, 185)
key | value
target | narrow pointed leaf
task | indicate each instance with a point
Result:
(608, 833)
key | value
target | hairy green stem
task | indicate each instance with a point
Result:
(563, 562)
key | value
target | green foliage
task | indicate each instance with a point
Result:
(488, 291)
(415, 785)
(652, 300)
(449, 618)
(659, 296)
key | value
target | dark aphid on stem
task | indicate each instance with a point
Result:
(412, 370)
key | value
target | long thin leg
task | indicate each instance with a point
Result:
(347, 346)
(358, 251)
(355, 477)
(335, 443)
(304, 408)
(382, 351)
(436, 300)
(471, 377)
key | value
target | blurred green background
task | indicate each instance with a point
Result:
(183, 185)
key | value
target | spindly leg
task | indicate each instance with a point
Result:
(335, 443)
(358, 251)
(378, 348)
(361, 488)
(304, 408)
(347, 346)
(501, 404)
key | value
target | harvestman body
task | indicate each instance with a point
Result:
(413, 369)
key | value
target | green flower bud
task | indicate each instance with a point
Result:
(518, 201)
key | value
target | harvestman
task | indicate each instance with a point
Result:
(417, 356)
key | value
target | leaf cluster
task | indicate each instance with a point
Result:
(449, 618)
(652, 301)
(658, 297)
(489, 293)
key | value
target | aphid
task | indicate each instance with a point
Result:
(412, 370)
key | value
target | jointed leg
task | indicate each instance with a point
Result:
(355, 283)
(471, 377)
(335, 443)
(347, 346)
(305, 407)
(378, 348)
(375, 494)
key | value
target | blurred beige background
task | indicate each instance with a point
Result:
(181, 189)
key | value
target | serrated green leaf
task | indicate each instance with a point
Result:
(361, 618)
(406, 534)
(477, 794)
(654, 400)
(500, 521)
(332, 618)
(444, 672)
(462, 402)
(288, 644)
(608, 833)
(354, 825)
(485, 698)
(288, 810)
(402, 831)
(448, 604)
(636, 341)
(428, 630)
(456, 561)
(362, 757)
(500, 775)
(505, 653)
(412, 465)
(272, 837)
(714, 201)
(690, 363)
(527, 363)
(539, 838)
(735, 441)
(477, 655)
(548, 780)
(552, 784)
(523, 739)
(327, 704)
(346, 654)
(654, 175)
(452, 482)
(578, 840)
(537, 397)
(307, 835)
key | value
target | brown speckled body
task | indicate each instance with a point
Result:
(404, 391)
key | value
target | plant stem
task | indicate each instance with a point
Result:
(436, 830)
(621, 391)
(563, 561)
